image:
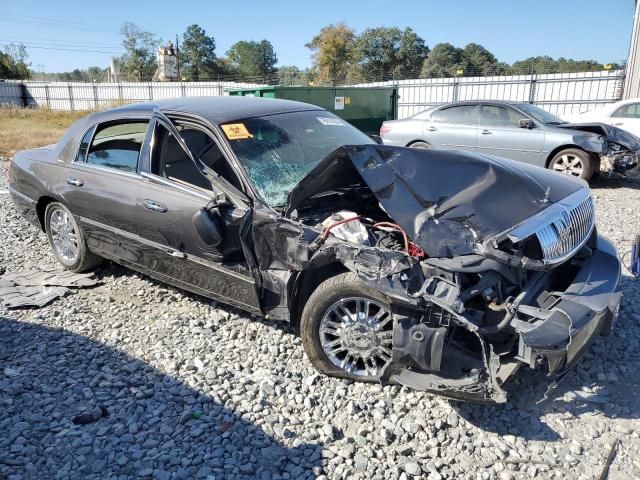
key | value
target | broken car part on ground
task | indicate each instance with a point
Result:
(443, 271)
(36, 288)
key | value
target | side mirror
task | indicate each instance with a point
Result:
(526, 123)
(207, 225)
(377, 139)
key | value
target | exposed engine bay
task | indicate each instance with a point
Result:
(474, 295)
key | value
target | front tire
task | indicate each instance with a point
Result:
(67, 240)
(573, 161)
(347, 329)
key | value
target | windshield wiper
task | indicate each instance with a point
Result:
(556, 123)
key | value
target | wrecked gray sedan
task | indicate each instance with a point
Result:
(518, 131)
(444, 271)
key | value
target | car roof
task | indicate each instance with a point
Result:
(488, 102)
(216, 110)
(221, 109)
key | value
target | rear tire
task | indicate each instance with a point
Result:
(573, 161)
(365, 333)
(422, 145)
(67, 240)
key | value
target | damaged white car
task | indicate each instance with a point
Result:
(444, 271)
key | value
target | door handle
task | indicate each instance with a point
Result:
(432, 129)
(154, 206)
(177, 254)
(74, 182)
(486, 132)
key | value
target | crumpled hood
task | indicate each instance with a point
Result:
(610, 132)
(446, 201)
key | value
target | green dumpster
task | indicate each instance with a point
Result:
(365, 108)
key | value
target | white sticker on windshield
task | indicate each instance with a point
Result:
(331, 121)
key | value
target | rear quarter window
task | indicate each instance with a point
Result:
(81, 156)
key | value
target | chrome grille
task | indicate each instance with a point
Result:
(567, 232)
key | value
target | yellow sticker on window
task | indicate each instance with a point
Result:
(236, 131)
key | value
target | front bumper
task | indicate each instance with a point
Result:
(588, 308)
(558, 334)
(620, 162)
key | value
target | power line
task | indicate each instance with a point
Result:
(53, 19)
(56, 44)
(56, 23)
(65, 49)
(20, 39)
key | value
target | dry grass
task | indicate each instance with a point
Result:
(22, 128)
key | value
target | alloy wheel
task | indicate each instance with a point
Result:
(356, 336)
(64, 236)
(569, 164)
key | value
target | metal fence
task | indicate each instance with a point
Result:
(558, 93)
(88, 96)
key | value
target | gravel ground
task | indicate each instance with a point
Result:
(174, 386)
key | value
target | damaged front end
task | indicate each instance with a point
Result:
(489, 265)
(618, 150)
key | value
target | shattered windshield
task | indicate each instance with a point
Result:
(278, 150)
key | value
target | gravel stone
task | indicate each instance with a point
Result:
(412, 468)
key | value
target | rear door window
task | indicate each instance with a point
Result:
(117, 145)
(467, 114)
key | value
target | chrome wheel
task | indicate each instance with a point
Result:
(570, 164)
(64, 237)
(356, 336)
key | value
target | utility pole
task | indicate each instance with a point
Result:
(178, 60)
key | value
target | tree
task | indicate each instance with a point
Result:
(335, 54)
(253, 59)
(443, 61)
(197, 55)
(378, 51)
(139, 61)
(292, 75)
(546, 64)
(389, 52)
(97, 74)
(14, 63)
(478, 61)
(540, 64)
(412, 53)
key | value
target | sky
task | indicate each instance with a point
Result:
(63, 35)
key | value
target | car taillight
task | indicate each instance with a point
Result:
(384, 129)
